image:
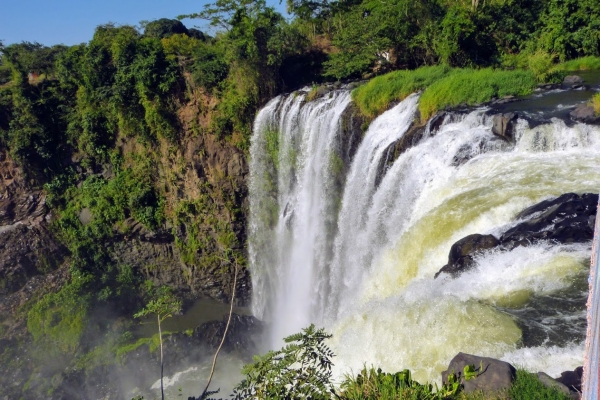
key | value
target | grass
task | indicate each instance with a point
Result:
(596, 103)
(371, 384)
(470, 87)
(375, 96)
(528, 387)
(579, 64)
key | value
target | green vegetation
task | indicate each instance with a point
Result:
(163, 307)
(596, 103)
(473, 87)
(375, 96)
(579, 64)
(371, 384)
(302, 369)
(104, 127)
(528, 387)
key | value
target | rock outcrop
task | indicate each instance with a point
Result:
(569, 218)
(492, 376)
(585, 113)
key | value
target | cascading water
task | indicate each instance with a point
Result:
(297, 156)
(366, 271)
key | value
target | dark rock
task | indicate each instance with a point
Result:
(504, 126)
(461, 254)
(572, 379)
(241, 336)
(572, 80)
(493, 375)
(506, 99)
(569, 218)
(585, 113)
(553, 384)
(566, 219)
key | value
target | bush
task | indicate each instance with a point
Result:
(302, 369)
(371, 384)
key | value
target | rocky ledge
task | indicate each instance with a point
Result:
(569, 218)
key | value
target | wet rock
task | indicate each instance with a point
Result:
(572, 379)
(493, 375)
(569, 218)
(241, 336)
(503, 125)
(553, 384)
(462, 252)
(585, 113)
(572, 80)
(566, 219)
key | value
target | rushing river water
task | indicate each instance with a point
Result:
(358, 257)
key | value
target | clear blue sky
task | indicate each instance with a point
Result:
(73, 21)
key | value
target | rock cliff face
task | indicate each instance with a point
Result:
(202, 181)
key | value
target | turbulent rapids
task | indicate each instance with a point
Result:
(348, 236)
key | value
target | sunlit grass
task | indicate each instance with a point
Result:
(375, 96)
(470, 87)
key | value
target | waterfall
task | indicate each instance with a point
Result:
(359, 258)
(297, 156)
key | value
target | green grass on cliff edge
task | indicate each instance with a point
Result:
(443, 87)
(471, 87)
(448, 87)
(374, 97)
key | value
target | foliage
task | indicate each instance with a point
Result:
(59, 319)
(596, 103)
(571, 28)
(302, 369)
(164, 28)
(163, 306)
(371, 384)
(579, 64)
(376, 95)
(471, 87)
(527, 386)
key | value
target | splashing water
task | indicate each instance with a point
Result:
(360, 259)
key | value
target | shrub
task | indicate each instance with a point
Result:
(302, 369)
(371, 384)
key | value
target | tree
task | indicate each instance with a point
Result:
(164, 306)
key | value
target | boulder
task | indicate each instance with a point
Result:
(493, 375)
(572, 379)
(552, 383)
(569, 218)
(503, 125)
(573, 80)
(585, 113)
(461, 254)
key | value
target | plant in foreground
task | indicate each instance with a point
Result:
(301, 370)
(164, 306)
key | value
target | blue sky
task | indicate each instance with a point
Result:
(73, 21)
